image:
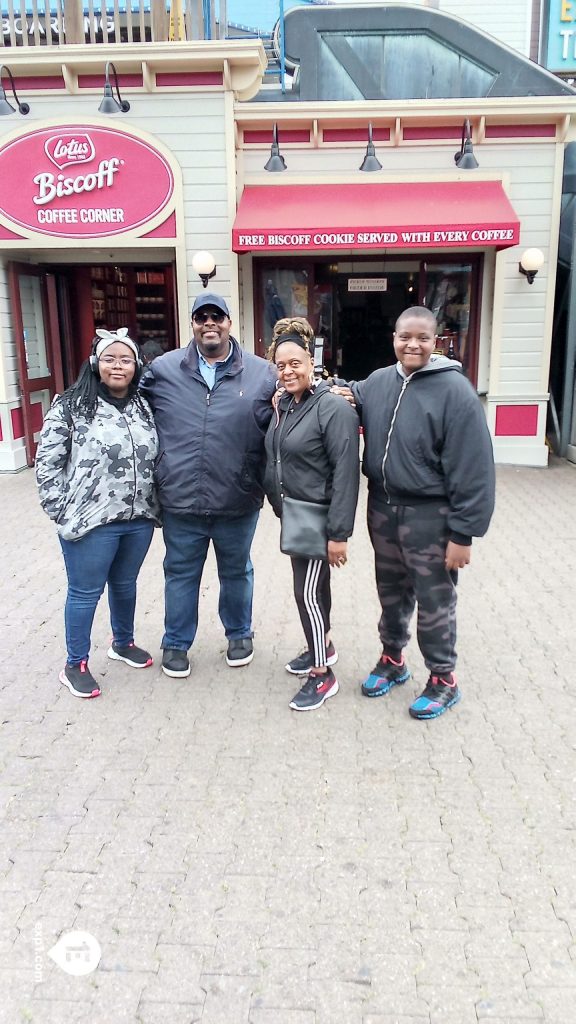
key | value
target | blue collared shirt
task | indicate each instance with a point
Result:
(208, 370)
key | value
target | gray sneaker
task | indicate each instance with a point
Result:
(175, 663)
(302, 665)
(240, 652)
(79, 680)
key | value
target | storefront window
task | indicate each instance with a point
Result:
(448, 291)
(353, 305)
(284, 292)
(33, 326)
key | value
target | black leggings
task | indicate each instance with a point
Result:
(314, 600)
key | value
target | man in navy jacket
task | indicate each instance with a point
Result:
(212, 405)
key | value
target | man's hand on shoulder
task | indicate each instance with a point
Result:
(346, 393)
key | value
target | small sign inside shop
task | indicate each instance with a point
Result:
(82, 181)
(367, 284)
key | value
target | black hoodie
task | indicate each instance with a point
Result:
(426, 439)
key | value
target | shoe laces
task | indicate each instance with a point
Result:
(441, 681)
(319, 678)
(386, 657)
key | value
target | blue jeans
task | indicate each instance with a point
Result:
(110, 554)
(187, 538)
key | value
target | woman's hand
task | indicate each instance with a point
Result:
(276, 397)
(337, 555)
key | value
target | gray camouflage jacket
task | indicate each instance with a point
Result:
(101, 472)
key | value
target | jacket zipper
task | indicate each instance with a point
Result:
(133, 464)
(389, 438)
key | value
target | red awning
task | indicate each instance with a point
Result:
(408, 215)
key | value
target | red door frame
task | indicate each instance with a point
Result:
(54, 381)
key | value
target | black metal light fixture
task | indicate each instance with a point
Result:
(276, 161)
(5, 107)
(370, 161)
(531, 261)
(464, 158)
(205, 266)
(109, 104)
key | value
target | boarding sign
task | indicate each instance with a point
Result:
(81, 181)
(559, 22)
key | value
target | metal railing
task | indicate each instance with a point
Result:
(58, 22)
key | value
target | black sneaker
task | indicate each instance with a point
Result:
(441, 693)
(175, 663)
(315, 691)
(385, 674)
(240, 652)
(301, 665)
(79, 680)
(132, 655)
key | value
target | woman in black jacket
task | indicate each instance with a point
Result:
(312, 455)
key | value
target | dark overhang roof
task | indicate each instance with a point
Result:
(404, 52)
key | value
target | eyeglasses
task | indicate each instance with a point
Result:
(125, 361)
(201, 317)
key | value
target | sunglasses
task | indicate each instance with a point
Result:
(201, 317)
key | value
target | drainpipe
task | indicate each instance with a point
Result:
(569, 188)
(282, 48)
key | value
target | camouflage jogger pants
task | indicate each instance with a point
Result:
(409, 549)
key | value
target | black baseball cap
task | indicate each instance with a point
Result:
(210, 299)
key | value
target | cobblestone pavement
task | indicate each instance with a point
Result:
(243, 864)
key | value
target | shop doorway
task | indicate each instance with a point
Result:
(140, 297)
(367, 308)
(353, 305)
(34, 306)
(56, 311)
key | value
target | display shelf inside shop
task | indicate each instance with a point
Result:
(150, 299)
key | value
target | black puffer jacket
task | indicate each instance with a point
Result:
(319, 456)
(426, 438)
(211, 459)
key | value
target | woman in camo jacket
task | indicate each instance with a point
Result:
(95, 474)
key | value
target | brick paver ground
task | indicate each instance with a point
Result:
(243, 864)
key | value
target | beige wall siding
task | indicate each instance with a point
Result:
(192, 127)
(514, 342)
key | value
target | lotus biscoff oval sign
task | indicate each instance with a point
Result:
(82, 182)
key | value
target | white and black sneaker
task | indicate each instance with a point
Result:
(175, 663)
(79, 680)
(134, 656)
(315, 691)
(301, 665)
(240, 652)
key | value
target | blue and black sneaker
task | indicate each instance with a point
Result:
(440, 694)
(385, 674)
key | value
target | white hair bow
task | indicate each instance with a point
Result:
(111, 336)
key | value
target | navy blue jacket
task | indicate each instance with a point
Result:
(211, 455)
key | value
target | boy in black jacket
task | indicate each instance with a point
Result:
(429, 462)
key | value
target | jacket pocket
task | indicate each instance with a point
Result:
(251, 473)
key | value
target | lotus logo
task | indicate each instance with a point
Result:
(69, 148)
